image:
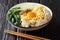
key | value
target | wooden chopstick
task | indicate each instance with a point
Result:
(25, 35)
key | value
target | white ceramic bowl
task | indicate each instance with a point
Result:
(29, 5)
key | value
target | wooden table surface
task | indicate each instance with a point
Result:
(51, 31)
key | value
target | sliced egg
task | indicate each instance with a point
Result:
(31, 15)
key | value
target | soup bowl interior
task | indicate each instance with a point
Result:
(27, 5)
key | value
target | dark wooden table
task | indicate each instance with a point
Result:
(52, 30)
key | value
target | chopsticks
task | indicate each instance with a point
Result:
(25, 35)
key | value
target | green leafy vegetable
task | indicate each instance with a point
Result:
(14, 16)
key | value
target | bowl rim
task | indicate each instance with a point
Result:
(30, 29)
